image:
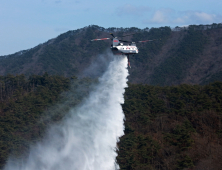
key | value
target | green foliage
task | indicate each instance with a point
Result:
(181, 136)
(161, 123)
(136, 151)
(185, 162)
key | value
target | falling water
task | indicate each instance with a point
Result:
(86, 139)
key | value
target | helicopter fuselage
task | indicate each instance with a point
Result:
(124, 49)
(118, 48)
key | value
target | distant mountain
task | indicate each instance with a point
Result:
(190, 55)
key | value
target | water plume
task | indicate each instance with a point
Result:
(86, 138)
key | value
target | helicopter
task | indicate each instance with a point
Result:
(118, 48)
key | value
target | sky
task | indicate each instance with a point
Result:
(26, 23)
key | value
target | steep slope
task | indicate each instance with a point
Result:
(190, 55)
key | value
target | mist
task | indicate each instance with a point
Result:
(86, 138)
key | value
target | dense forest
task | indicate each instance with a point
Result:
(189, 55)
(170, 127)
(174, 127)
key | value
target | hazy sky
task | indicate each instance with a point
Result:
(27, 23)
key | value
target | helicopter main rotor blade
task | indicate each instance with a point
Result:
(100, 39)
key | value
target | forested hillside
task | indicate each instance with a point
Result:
(167, 128)
(24, 108)
(176, 127)
(190, 55)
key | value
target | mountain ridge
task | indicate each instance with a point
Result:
(189, 55)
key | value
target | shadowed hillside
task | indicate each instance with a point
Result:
(190, 55)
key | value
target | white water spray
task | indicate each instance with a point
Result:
(86, 139)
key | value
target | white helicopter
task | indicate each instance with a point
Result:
(118, 48)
